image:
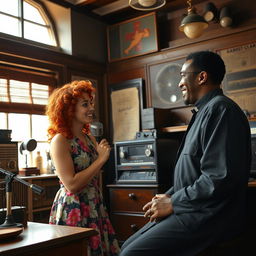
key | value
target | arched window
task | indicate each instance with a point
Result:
(27, 19)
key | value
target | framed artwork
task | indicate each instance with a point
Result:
(239, 82)
(126, 105)
(133, 37)
(163, 80)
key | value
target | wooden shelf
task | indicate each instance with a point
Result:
(42, 209)
(179, 128)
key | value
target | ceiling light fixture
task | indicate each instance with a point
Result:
(210, 12)
(146, 5)
(225, 17)
(193, 24)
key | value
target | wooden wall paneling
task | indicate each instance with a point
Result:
(128, 74)
(117, 72)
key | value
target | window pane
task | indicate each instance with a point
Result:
(20, 126)
(13, 27)
(39, 127)
(31, 13)
(40, 94)
(10, 7)
(37, 33)
(19, 91)
(3, 121)
(3, 90)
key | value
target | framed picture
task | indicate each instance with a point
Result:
(126, 106)
(133, 37)
(240, 80)
(163, 80)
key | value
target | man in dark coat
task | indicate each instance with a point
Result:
(207, 202)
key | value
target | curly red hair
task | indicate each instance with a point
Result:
(61, 107)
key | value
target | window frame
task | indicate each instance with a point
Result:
(45, 15)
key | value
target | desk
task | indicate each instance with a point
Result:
(43, 239)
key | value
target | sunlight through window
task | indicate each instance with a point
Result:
(33, 19)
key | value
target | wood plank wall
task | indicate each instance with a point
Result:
(174, 45)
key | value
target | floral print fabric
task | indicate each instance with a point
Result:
(86, 208)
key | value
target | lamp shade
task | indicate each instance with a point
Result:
(146, 5)
(193, 25)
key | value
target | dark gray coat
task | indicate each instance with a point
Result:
(210, 184)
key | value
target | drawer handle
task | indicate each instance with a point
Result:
(132, 196)
(134, 227)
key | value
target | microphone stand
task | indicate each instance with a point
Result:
(9, 177)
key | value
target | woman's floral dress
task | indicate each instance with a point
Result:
(86, 208)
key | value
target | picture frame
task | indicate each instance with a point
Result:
(239, 82)
(163, 79)
(126, 103)
(134, 37)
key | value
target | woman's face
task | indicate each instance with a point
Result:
(84, 111)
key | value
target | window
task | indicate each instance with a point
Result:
(29, 126)
(27, 19)
(22, 108)
(14, 91)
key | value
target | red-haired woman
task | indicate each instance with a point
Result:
(78, 159)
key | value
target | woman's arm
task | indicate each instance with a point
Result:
(60, 153)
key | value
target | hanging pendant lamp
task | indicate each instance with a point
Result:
(193, 24)
(146, 5)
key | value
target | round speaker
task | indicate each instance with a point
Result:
(167, 93)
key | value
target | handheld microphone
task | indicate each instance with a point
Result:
(97, 130)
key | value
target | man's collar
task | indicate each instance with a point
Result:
(207, 97)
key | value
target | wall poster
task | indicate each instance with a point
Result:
(126, 105)
(240, 79)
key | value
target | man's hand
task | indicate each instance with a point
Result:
(159, 207)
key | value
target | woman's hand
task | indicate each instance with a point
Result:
(103, 149)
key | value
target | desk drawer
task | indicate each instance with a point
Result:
(126, 225)
(129, 199)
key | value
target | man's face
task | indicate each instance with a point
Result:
(189, 83)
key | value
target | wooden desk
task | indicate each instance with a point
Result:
(48, 240)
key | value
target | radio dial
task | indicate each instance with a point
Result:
(11, 164)
(149, 152)
(123, 154)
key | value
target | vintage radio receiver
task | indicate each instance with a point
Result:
(145, 161)
(9, 156)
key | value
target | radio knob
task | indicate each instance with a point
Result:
(149, 152)
(123, 154)
(11, 164)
